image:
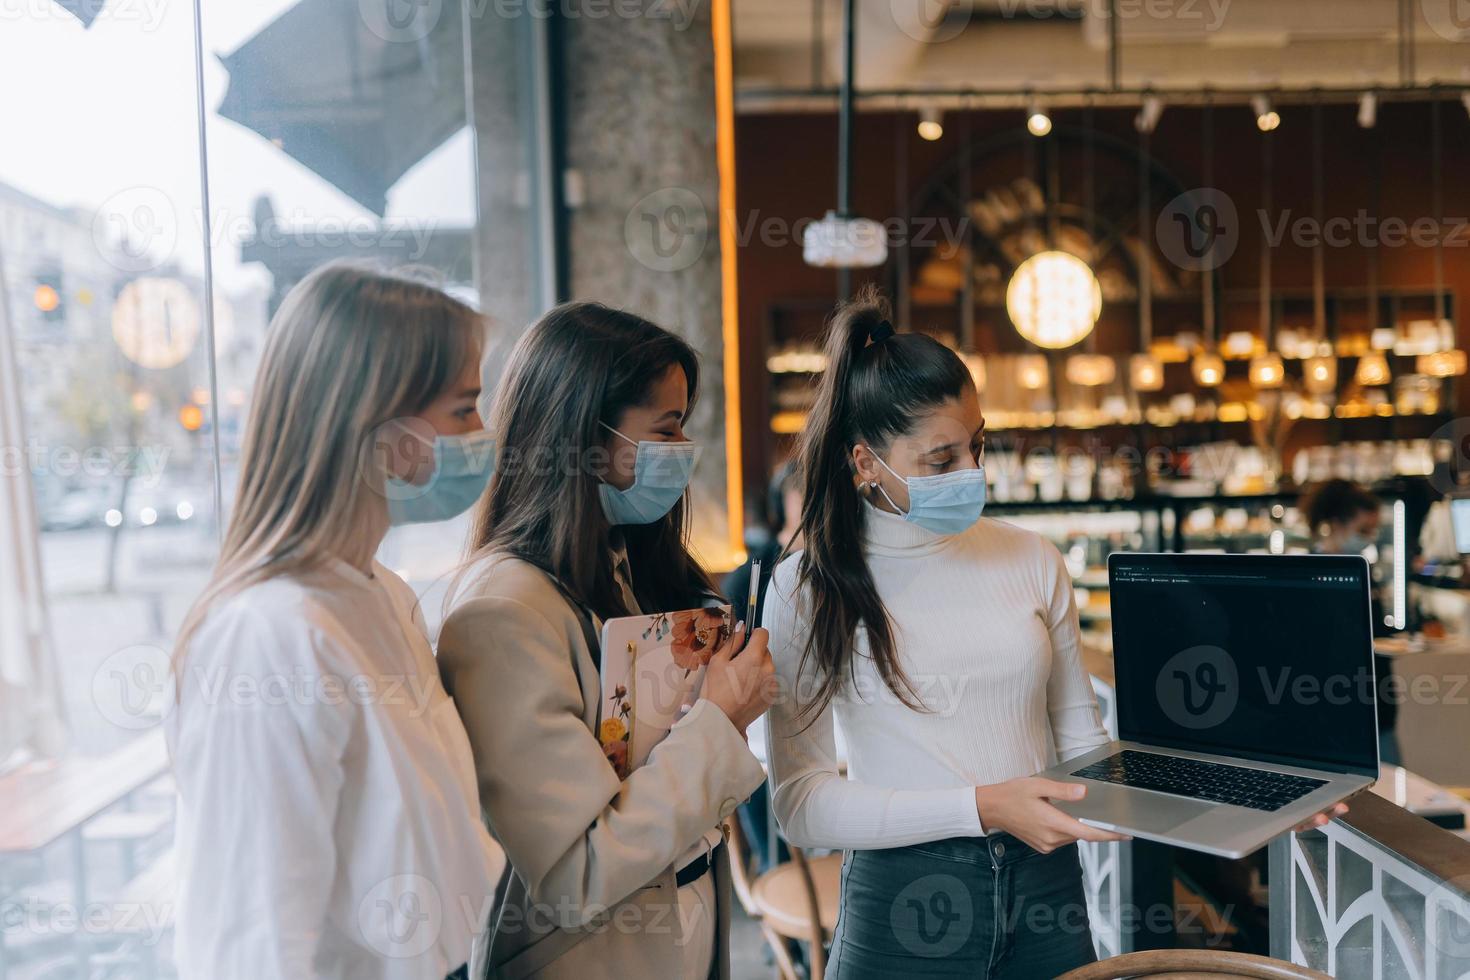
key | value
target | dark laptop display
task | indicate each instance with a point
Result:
(1267, 658)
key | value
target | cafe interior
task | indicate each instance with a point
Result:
(1200, 257)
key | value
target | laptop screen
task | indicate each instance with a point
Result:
(1267, 657)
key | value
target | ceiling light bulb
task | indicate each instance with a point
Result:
(930, 126)
(1148, 114)
(1266, 118)
(1037, 121)
(1368, 110)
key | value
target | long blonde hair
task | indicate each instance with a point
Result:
(351, 348)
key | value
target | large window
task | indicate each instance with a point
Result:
(375, 129)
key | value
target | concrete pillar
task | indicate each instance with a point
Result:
(639, 96)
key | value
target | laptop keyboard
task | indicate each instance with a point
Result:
(1212, 781)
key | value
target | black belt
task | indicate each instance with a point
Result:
(696, 869)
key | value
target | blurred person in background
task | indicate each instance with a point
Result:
(328, 820)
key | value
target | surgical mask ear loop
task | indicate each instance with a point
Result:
(875, 485)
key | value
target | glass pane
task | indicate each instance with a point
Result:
(103, 263)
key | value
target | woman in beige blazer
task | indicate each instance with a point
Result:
(585, 520)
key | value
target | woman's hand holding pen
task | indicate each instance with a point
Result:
(741, 682)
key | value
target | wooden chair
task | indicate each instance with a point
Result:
(1192, 964)
(795, 900)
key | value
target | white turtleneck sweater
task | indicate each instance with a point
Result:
(986, 630)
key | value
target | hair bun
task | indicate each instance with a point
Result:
(880, 333)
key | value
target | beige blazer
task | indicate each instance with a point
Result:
(593, 894)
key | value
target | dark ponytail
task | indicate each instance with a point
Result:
(876, 386)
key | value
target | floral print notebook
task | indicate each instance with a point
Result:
(652, 669)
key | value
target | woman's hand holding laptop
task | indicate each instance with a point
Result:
(1021, 808)
(1321, 820)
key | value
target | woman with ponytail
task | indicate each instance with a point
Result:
(948, 647)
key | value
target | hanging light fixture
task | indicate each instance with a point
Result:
(1208, 368)
(1145, 372)
(1267, 370)
(1372, 370)
(1267, 118)
(1445, 364)
(1054, 299)
(841, 240)
(1038, 123)
(1319, 372)
(1368, 110)
(1032, 372)
(930, 126)
(1091, 370)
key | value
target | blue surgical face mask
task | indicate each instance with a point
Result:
(661, 471)
(946, 503)
(462, 468)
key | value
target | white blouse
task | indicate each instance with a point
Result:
(986, 630)
(329, 821)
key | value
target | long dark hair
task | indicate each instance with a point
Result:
(577, 369)
(870, 393)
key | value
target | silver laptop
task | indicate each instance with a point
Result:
(1245, 698)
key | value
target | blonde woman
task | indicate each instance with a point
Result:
(328, 823)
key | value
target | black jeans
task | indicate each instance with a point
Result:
(975, 907)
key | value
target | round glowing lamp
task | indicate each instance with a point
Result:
(1054, 299)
